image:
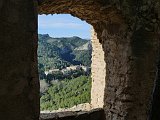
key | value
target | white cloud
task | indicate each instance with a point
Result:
(58, 23)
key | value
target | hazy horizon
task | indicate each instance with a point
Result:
(63, 25)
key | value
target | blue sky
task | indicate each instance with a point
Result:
(63, 25)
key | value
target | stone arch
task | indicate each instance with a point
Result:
(95, 14)
(93, 11)
(127, 41)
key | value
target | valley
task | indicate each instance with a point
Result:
(64, 71)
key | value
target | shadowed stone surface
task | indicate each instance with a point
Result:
(19, 87)
(96, 114)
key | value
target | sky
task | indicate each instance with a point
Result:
(63, 25)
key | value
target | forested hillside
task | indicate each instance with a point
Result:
(64, 71)
(62, 52)
(67, 93)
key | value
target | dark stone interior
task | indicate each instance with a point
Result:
(129, 31)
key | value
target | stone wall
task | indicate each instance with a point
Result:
(19, 87)
(98, 72)
(129, 82)
(130, 70)
(95, 114)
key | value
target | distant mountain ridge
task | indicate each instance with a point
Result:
(62, 52)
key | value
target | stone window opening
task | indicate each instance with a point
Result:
(98, 66)
(77, 107)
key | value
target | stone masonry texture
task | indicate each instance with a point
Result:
(95, 114)
(98, 73)
(128, 32)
